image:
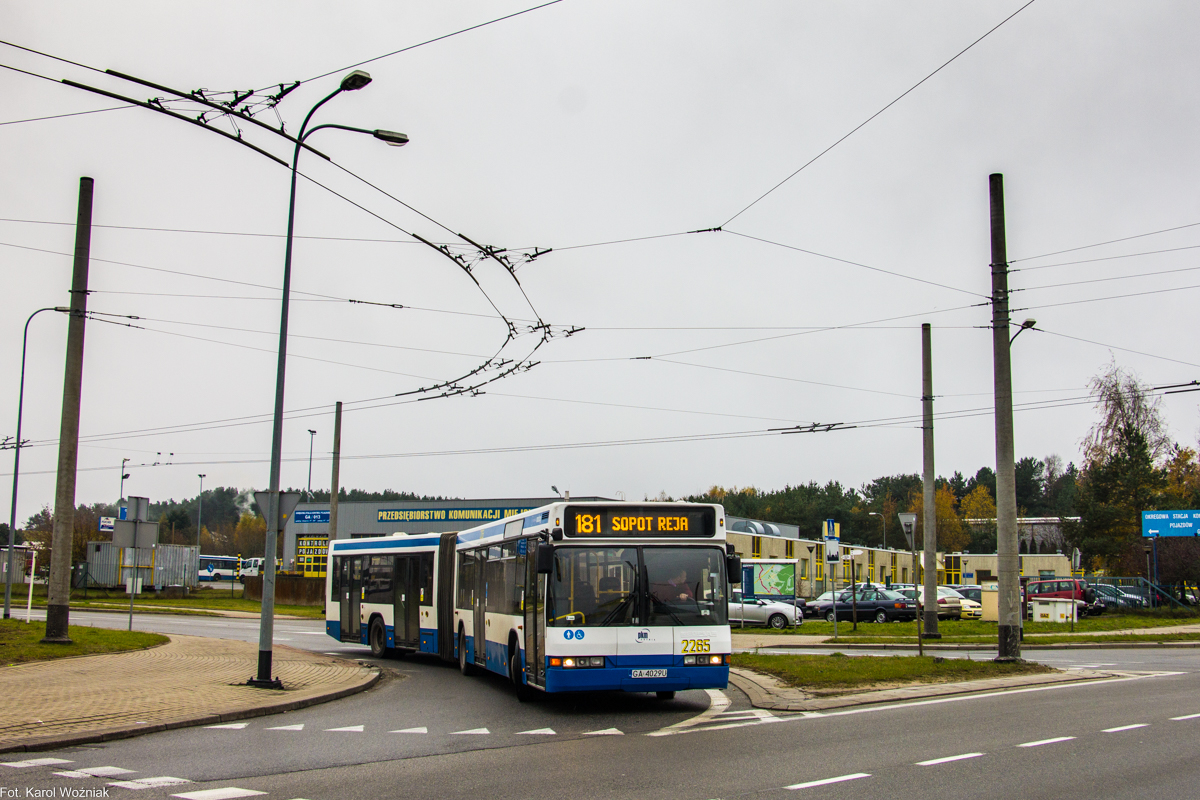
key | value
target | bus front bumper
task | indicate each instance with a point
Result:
(677, 679)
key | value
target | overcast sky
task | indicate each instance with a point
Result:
(579, 123)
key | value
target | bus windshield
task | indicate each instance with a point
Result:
(607, 586)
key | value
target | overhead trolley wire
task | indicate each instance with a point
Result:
(422, 44)
(876, 114)
(1101, 244)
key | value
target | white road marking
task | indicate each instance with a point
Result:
(605, 732)
(228, 793)
(231, 726)
(299, 727)
(1041, 742)
(1126, 727)
(537, 732)
(149, 783)
(935, 761)
(1173, 719)
(36, 762)
(809, 784)
(347, 729)
(411, 730)
(96, 772)
(716, 712)
(472, 732)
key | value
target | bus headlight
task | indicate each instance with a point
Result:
(689, 661)
(579, 662)
(716, 660)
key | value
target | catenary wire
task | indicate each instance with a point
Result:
(422, 44)
(857, 264)
(1102, 244)
(61, 116)
(877, 113)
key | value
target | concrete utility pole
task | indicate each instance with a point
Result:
(58, 602)
(337, 459)
(930, 476)
(1009, 567)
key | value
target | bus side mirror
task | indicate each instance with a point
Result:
(733, 566)
(545, 558)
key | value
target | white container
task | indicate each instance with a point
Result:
(1053, 609)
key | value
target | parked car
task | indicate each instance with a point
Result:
(874, 604)
(971, 609)
(1068, 589)
(1115, 599)
(760, 611)
(949, 602)
(971, 591)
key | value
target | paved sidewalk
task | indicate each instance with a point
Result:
(765, 691)
(189, 681)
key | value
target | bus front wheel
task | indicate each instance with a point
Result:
(378, 639)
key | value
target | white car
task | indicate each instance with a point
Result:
(759, 611)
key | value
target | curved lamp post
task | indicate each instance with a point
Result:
(352, 82)
(12, 518)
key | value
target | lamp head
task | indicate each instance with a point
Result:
(355, 81)
(1029, 323)
(393, 138)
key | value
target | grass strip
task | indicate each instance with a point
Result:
(837, 673)
(20, 642)
(205, 598)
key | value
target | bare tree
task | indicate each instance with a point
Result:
(1125, 408)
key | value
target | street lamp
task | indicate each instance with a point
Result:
(124, 475)
(12, 517)
(908, 524)
(352, 82)
(311, 436)
(200, 515)
(1025, 326)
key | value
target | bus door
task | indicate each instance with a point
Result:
(481, 587)
(407, 600)
(534, 603)
(351, 598)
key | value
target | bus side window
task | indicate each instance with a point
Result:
(466, 578)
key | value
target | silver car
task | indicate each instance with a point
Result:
(760, 611)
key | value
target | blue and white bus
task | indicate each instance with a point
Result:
(567, 597)
(218, 568)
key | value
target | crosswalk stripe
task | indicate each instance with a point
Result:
(605, 732)
(227, 793)
(231, 726)
(347, 729)
(299, 727)
(412, 730)
(96, 772)
(472, 731)
(537, 732)
(149, 783)
(36, 762)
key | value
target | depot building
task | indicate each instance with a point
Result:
(306, 534)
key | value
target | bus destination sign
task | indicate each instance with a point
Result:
(637, 521)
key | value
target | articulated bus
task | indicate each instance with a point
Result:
(567, 597)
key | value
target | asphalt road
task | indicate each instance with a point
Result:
(427, 731)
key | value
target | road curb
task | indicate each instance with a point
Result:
(981, 646)
(129, 731)
(765, 691)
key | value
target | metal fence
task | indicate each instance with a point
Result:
(158, 566)
(1138, 592)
